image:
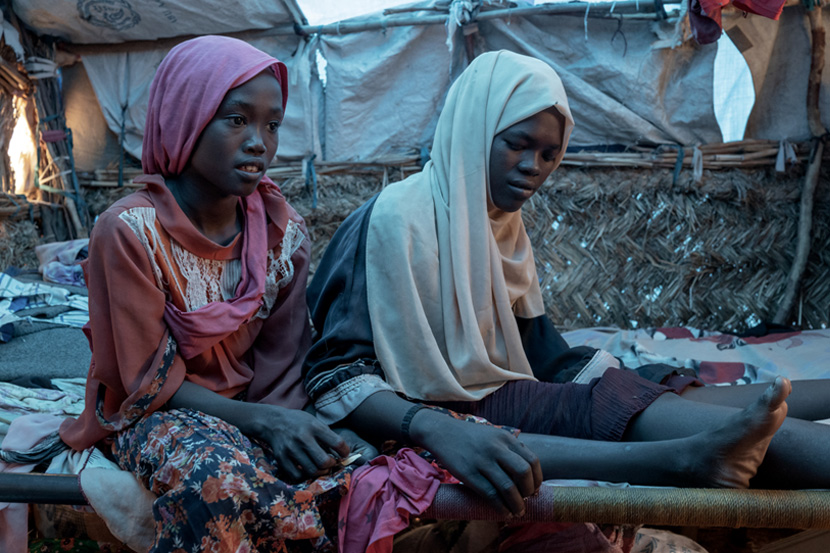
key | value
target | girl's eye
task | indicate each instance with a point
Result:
(514, 145)
(237, 120)
(550, 155)
(274, 126)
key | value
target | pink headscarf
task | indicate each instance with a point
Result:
(189, 85)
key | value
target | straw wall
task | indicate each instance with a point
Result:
(18, 239)
(626, 247)
(616, 247)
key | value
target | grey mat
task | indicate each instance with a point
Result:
(52, 353)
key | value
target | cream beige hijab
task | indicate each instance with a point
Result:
(444, 280)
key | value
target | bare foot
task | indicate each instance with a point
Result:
(123, 503)
(733, 452)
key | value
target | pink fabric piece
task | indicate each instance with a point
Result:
(24, 433)
(189, 85)
(381, 498)
(198, 330)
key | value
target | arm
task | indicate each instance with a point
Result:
(301, 444)
(550, 357)
(131, 372)
(489, 460)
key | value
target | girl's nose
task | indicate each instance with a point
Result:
(255, 143)
(530, 163)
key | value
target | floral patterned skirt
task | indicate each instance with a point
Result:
(217, 490)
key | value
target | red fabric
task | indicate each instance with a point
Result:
(381, 498)
(768, 8)
(189, 85)
(705, 15)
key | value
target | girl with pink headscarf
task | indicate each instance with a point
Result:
(198, 319)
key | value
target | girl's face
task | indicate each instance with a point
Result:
(239, 143)
(522, 157)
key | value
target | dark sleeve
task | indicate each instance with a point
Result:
(550, 357)
(552, 360)
(343, 346)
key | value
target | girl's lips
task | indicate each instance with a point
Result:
(249, 168)
(522, 190)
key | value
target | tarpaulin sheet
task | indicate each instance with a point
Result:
(111, 21)
(123, 77)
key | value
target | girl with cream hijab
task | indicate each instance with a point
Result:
(428, 294)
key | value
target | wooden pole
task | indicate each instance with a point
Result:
(805, 221)
(816, 65)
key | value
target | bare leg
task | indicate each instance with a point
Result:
(810, 399)
(726, 454)
(798, 455)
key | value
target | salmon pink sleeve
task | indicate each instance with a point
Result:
(135, 368)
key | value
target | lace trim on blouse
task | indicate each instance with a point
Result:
(209, 280)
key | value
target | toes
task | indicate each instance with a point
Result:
(778, 392)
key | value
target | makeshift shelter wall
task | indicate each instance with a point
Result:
(623, 87)
(778, 55)
(122, 74)
(384, 89)
(111, 21)
(95, 145)
(620, 89)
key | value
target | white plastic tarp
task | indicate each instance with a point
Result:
(111, 21)
(123, 77)
(384, 90)
(621, 91)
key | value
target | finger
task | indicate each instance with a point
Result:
(315, 455)
(506, 489)
(309, 467)
(519, 471)
(532, 460)
(331, 441)
(287, 468)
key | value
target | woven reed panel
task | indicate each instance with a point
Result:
(619, 247)
(629, 247)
